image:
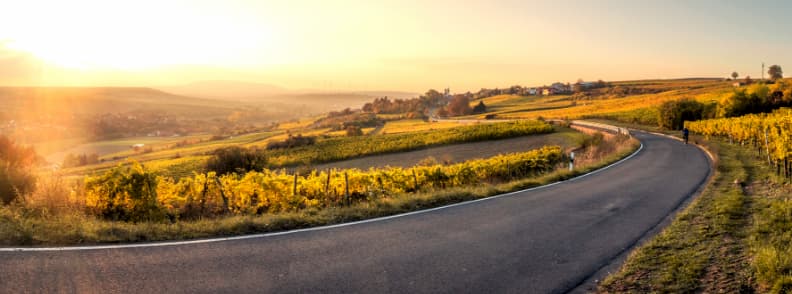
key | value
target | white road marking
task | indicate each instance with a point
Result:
(264, 235)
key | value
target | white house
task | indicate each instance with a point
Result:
(531, 91)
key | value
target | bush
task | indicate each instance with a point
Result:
(353, 131)
(73, 160)
(459, 105)
(291, 142)
(673, 114)
(16, 178)
(56, 195)
(480, 108)
(125, 193)
(236, 160)
(756, 99)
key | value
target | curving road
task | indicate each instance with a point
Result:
(544, 240)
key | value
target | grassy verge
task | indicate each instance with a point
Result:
(733, 238)
(20, 225)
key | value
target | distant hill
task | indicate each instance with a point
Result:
(40, 101)
(226, 90)
(390, 94)
(309, 100)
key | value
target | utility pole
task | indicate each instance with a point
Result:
(762, 70)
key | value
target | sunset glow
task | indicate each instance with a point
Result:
(408, 45)
(134, 35)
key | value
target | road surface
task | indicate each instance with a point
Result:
(545, 240)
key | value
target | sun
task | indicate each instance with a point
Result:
(134, 35)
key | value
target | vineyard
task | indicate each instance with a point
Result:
(339, 148)
(135, 193)
(770, 135)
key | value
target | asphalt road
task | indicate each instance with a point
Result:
(545, 240)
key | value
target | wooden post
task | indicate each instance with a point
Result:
(415, 180)
(346, 189)
(203, 193)
(767, 147)
(222, 195)
(294, 190)
(327, 184)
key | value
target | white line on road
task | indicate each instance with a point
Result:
(264, 235)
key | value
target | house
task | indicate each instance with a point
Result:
(531, 91)
(738, 84)
(560, 88)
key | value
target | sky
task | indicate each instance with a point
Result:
(385, 45)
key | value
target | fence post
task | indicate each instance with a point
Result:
(294, 190)
(346, 189)
(767, 147)
(415, 180)
(327, 184)
(226, 207)
(571, 161)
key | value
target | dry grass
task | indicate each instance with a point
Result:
(734, 238)
(39, 223)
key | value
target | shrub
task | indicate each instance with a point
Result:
(126, 193)
(673, 114)
(56, 195)
(353, 131)
(236, 160)
(292, 141)
(480, 108)
(16, 178)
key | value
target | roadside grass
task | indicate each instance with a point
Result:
(770, 238)
(26, 225)
(733, 238)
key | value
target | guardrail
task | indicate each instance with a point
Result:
(600, 126)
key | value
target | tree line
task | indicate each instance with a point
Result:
(757, 98)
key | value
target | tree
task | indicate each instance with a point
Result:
(748, 80)
(775, 72)
(16, 176)
(673, 114)
(459, 105)
(236, 159)
(353, 131)
(432, 98)
(734, 75)
(480, 107)
(127, 193)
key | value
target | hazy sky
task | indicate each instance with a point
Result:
(386, 45)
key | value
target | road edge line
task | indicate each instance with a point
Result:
(615, 264)
(319, 228)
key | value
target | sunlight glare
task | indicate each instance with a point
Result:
(135, 35)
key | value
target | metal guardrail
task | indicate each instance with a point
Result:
(601, 126)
